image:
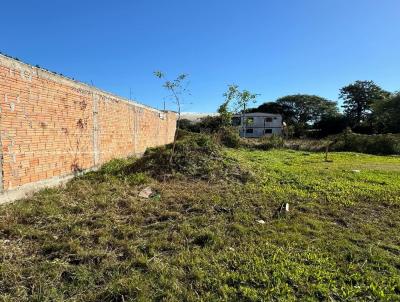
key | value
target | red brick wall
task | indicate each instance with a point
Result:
(51, 126)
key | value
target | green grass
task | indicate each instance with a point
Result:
(95, 240)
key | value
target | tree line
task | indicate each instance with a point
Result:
(367, 109)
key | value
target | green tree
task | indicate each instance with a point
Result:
(244, 99)
(333, 124)
(178, 90)
(238, 101)
(275, 108)
(225, 114)
(302, 110)
(358, 99)
(223, 110)
(386, 114)
(269, 107)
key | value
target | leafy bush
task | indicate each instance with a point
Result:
(229, 137)
(382, 144)
(207, 124)
(210, 124)
(196, 156)
(185, 124)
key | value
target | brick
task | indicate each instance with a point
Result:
(47, 125)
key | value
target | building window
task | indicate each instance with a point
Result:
(268, 131)
(236, 121)
(249, 121)
(250, 130)
(268, 119)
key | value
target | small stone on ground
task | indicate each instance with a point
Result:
(146, 192)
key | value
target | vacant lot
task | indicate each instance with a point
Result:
(96, 240)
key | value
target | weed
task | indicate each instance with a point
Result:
(271, 142)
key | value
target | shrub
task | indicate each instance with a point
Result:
(378, 144)
(229, 137)
(185, 124)
(210, 124)
(381, 144)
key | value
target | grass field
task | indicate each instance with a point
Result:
(96, 240)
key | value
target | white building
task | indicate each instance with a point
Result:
(258, 124)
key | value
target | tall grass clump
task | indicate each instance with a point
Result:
(271, 142)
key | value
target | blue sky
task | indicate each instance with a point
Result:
(273, 48)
